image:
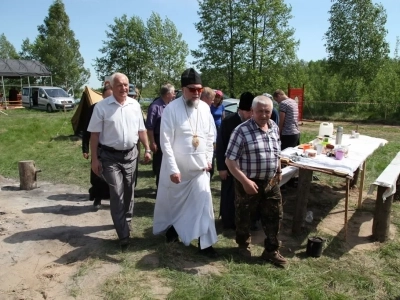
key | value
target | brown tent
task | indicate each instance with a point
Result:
(79, 121)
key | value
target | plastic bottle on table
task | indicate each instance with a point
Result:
(339, 134)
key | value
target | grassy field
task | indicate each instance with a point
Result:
(152, 269)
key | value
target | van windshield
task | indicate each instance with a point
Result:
(56, 93)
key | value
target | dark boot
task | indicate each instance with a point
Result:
(172, 235)
(97, 203)
(209, 251)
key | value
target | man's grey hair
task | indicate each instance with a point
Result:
(167, 88)
(261, 100)
(115, 75)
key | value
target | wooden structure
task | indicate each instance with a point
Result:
(27, 174)
(386, 183)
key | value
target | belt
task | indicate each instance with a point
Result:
(113, 150)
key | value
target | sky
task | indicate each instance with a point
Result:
(89, 19)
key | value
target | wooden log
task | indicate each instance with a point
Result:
(346, 207)
(27, 174)
(381, 223)
(303, 189)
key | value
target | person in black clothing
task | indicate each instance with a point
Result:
(99, 189)
(227, 204)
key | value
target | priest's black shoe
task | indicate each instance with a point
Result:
(209, 252)
(172, 235)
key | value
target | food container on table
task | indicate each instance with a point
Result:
(311, 153)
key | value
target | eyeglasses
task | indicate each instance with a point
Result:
(193, 90)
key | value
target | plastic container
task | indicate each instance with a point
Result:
(315, 245)
(325, 129)
(311, 153)
(309, 216)
(339, 154)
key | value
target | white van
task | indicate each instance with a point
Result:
(48, 98)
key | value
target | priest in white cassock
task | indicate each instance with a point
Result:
(184, 206)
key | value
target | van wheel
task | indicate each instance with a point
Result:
(49, 108)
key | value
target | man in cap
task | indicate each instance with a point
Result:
(227, 203)
(184, 206)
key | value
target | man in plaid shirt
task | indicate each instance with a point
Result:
(252, 157)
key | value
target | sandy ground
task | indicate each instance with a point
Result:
(48, 235)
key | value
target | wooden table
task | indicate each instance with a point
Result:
(359, 150)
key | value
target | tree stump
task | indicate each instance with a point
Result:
(381, 223)
(27, 174)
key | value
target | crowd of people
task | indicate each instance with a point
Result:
(183, 137)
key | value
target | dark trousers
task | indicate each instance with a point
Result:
(119, 172)
(290, 141)
(227, 204)
(268, 204)
(157, 159)
(99, 189)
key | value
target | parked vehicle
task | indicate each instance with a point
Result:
(231, 106)
(47, 98)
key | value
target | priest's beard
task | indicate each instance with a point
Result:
(192, 103)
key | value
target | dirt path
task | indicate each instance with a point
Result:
(45, 236)
(50, 238)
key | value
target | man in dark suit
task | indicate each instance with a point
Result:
(227, 204)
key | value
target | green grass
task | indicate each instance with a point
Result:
(151, 269)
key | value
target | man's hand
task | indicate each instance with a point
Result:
(175, 178)
(209, 167)
(153, 147)
(85, 155)
(223, 174)
(147, 157)
(96, 167)
(250, 187)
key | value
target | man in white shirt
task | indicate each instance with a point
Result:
(116, 126)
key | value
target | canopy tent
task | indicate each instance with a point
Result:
(79, 119)
(12, 68)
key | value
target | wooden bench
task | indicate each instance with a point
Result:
(386, 183)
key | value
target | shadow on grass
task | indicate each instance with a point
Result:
(61, 138)
(10, 188)
(66, 210)
(78, 237)
(145, 193)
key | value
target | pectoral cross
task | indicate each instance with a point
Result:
(195, 142)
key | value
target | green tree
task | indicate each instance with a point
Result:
(355, 40)
(126, 50)
(7, 50)
(247, 46)
(57, 48)
(168, 50)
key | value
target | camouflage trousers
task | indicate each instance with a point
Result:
(268, 203)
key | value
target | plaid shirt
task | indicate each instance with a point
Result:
(256, 150)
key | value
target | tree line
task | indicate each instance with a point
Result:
(244, 45)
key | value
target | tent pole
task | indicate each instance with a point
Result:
(28, 82)
(4, 91)
(51, 80)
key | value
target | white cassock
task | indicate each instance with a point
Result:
(187, 205)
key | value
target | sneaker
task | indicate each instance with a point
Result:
(244, 252)
(209, 252)
(275, 257)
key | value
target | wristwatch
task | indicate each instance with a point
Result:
(147, 151)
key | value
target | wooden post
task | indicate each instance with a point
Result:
(355, 178)
(346, 207)
(381, 223)
(27, 174)
(361, 187)
(303, 189)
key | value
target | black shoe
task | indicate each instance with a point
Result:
(97, 203)
(124, 243)
(172, 235)
(209, 252)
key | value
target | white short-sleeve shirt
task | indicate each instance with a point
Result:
(118, 124)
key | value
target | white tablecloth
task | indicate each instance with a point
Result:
(359, 150)
(287, 173)
(388, 178)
